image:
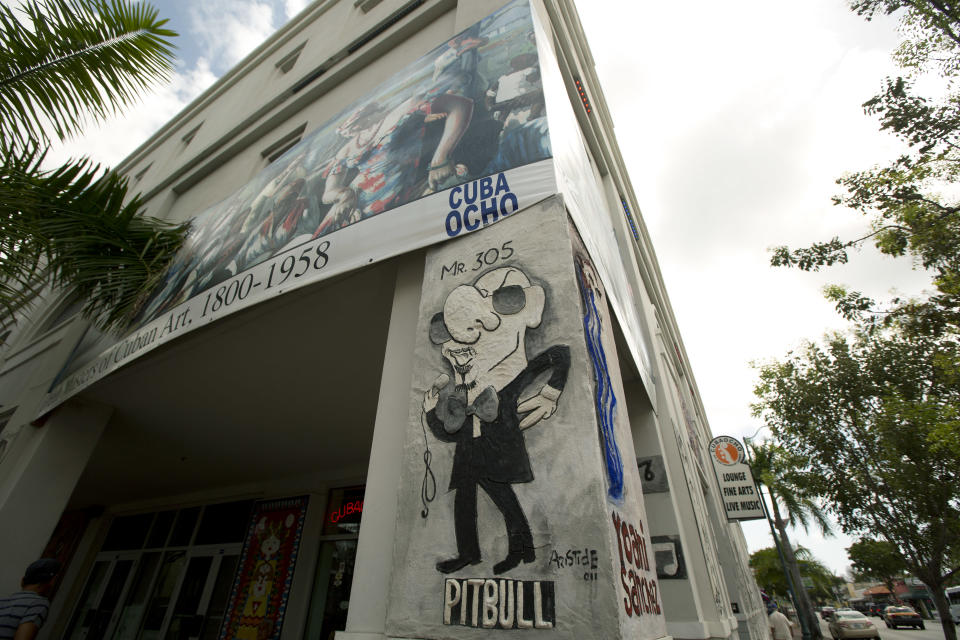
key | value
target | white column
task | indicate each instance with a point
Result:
(47, 464)
(371, 574)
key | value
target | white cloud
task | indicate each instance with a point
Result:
(228, 30)
(111, 141)
(735, 121)
(293, 7)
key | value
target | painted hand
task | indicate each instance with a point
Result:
(344, 206)
(431, 396)
(539, 407)
(439, 174)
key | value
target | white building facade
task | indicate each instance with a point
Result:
(414, 375)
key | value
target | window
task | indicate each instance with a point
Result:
(284, 144)
(139, 175)
(366, 5)
(338, 552)
(286, 63)
(188, 136)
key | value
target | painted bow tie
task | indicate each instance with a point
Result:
(454, 409)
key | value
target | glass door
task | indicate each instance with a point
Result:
(107, 585)
(147, 610)
(200, 598)
(163, 574)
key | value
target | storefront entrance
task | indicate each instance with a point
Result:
(163, 575)
(277, 401)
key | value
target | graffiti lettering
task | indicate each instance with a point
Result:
(499, 604)
(640, 592)
(574, 558)
(642, 597)
(483, 203)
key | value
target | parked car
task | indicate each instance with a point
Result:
(851, 624)
(899, 616)
(826, 612)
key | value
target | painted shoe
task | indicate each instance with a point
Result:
(455, 564)
(527, 555)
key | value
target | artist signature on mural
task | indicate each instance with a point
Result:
(576, 559)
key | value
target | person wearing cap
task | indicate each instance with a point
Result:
(780, 626)
(24, 612)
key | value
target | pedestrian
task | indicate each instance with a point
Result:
(24, 612)
(780, 626)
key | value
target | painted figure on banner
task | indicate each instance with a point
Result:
(382, 163)
(591, 292)
(492, 391)
(258, 597)
(254, 621)
(471, 107)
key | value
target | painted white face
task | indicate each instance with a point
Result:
(270, 546)
(483, 325)
(263, 580)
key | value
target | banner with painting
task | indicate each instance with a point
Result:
(455, 142)
(258, 599)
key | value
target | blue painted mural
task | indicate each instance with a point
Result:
(606, 400)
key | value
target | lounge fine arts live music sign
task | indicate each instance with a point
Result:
(741, 500)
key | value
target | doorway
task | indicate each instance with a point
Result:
(163, 576)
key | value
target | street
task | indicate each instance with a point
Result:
(934, 630)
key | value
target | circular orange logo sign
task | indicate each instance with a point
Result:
(727, 454)
(726, 451)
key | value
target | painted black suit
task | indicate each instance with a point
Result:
(497, 458)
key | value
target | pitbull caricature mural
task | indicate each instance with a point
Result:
(490, 395)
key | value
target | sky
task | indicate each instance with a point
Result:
(734, 121)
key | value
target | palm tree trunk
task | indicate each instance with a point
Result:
(805, 609)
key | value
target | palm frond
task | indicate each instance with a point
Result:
(73, 59)
(71, 228)
(783, 475)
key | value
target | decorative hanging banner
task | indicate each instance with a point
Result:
(455, 142)
(741, 500)
(258, 599)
